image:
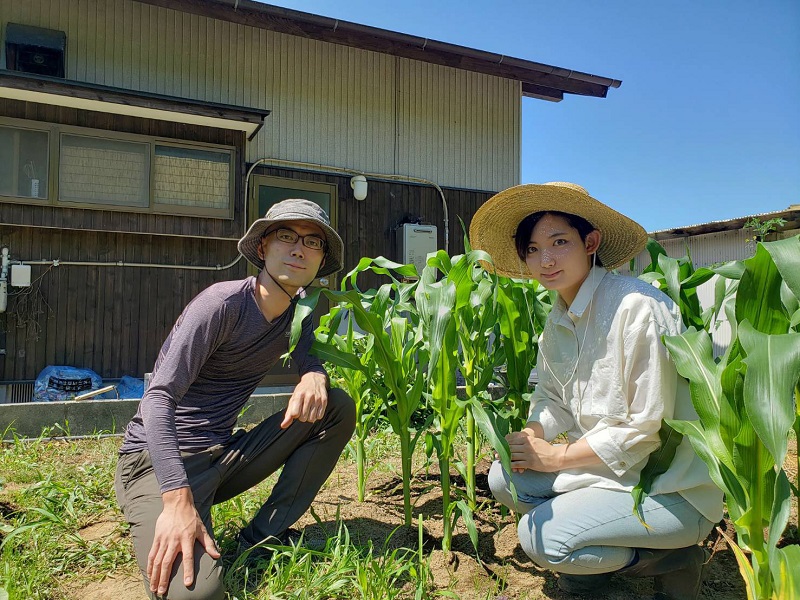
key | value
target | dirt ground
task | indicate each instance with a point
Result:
(503, 571)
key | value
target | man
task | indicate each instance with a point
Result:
(179, 456)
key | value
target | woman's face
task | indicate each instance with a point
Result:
(558, 258)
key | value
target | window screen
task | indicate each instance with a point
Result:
(192, 177)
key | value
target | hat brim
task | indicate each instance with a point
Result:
(334, 247)
(495, 223)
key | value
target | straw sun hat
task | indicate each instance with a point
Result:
(495, 224)
(294, 210)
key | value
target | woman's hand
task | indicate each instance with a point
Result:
(528, 451)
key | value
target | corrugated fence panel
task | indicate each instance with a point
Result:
(331, 104)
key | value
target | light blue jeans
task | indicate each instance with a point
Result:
(592, 530)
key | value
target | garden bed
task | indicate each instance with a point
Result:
(77, 479)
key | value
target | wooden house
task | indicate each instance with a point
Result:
(138, 138)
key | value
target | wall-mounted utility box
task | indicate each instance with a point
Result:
(20, 275)
(415, 242)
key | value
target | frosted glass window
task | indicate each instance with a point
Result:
(24, 163)
(102, 171)
(192, 177)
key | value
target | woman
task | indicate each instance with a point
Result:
(606, 380)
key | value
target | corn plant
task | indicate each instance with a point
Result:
(458, 316)
(436, 305)
(523, 307)
(747, 404)
(389, 317)
(363, 385)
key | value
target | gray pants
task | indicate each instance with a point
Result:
(592, 530)
(307, 451)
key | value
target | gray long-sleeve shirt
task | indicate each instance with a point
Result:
(213, 359)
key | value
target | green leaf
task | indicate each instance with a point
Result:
(331, 354)
(758, 298)
(472, 530)
(773, 369)
(786, 256)
(723, 476)
(786, 574)
(781, 509)
(657, 464)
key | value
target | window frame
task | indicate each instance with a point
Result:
(23, 124)
(55, 132)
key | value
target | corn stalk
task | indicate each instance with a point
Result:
(387, 315)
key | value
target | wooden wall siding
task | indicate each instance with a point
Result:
(368, 227)
(110, 319)
(114, 319)
(331, 104)
(448, 119)
(109, 220)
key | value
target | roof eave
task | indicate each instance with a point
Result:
(551, 82)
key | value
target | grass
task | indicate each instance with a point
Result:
(56, 495)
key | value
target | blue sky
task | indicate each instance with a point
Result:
(706, 124)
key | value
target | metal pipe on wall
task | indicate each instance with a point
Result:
(333, 169)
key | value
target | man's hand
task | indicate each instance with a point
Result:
(528, 451)
(309, 400)
(177, 527)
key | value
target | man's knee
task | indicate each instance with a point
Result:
(342, 408)
(207, 582)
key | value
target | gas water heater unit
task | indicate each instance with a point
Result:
(415, 242)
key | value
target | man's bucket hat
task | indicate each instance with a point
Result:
(295, 209)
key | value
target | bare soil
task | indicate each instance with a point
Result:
(500, 571)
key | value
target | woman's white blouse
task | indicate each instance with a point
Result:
(625, 383)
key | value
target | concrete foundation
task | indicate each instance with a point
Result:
(99, 417)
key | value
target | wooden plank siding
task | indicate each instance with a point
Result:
(114, 319)
(110, 319)
(331, 104)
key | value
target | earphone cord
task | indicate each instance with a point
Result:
(580, 347)
(292, 299)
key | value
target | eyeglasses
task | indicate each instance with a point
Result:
(288, 236)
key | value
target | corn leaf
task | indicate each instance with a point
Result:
(657, 464)
(786, 256)
(722, 475)
(693, 356)
(781, 510)
(758, 298)
(786, 574)
(773, 369)
(745, 569)
(330, 353)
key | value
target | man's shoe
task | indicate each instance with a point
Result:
(583, 584)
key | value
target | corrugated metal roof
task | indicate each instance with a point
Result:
(791, 215)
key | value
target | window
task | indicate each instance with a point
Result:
(24, 164)
(192, 177)
(114, 171)
(99, 171)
